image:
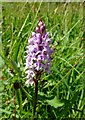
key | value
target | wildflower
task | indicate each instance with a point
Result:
(38, 53)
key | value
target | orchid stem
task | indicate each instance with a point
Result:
(35, 98)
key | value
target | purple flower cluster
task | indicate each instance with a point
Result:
(38, 52)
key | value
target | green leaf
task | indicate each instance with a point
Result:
(55, 102)
(19, 99)
(43, 97)
(5, 111)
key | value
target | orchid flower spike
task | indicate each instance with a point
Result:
(38, 52)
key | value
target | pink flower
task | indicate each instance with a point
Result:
(38, 52)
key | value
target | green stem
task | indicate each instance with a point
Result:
(14, 105)
(28, 95)
(35, 98)
(19, 99)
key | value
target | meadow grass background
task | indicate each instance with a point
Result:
(61, 93)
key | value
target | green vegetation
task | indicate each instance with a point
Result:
(61, 93)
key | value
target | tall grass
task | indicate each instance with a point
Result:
(61, 93)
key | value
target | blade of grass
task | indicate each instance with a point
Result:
(65, 75)
(72, 28)
(23, 25)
